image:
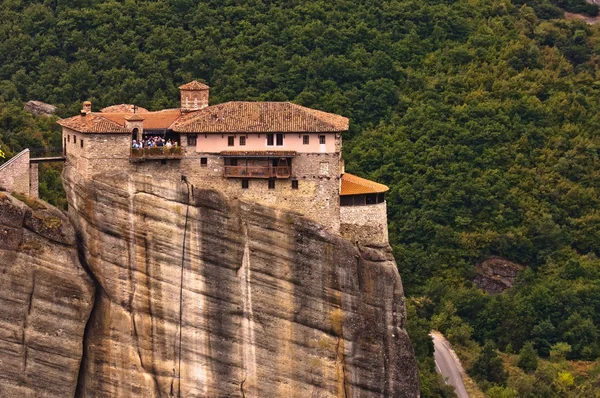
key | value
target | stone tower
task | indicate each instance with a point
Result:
(194, 96)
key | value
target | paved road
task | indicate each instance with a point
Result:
(447, 364)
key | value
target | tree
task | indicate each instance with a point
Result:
(528, 358)
(489, 366)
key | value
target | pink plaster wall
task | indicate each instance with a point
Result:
(291, 142)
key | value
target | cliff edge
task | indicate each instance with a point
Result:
(200, 295)
(45, 300)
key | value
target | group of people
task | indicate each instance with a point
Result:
(151, 142)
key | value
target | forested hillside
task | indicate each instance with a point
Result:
(481, 115)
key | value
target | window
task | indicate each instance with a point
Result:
(271, 184)
(279, 139)
(203, 162)
(294, 184)
(81, 142)
(191, 140)
(347, 200)
(69, 139)
(74, 139)
(322, 139)
(305, 140)
(242, 140)
(270, 139)
(244, 183)
(230, 140)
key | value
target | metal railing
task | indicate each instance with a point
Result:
(164, 152)
(257, 171)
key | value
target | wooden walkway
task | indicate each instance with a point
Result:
(48, 159)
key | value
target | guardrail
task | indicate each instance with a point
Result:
(257, 171)
(164, 152)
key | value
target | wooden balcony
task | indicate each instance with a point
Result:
(155, 153)
(257, 171)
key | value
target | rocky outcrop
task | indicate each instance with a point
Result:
(39, 108)
(200, 295)
(496, 274)
(45, 300)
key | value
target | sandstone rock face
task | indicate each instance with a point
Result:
(39, 108)
(45, 301)
(200, 295)
(496, 274)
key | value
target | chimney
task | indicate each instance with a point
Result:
(87, 108)
(194, 96)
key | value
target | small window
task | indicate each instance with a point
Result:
(305, 140)
(294, 184)
(74, 139)
(230, 140)
(242, 140)
(322, 139)
(270, 139)
(347, 200)
(279, 139)
(191, 140)
(81, 142)
(69, 139)
(245, 183)
(203, 162)
(271, 184)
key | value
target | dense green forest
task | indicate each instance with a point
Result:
(481, 115)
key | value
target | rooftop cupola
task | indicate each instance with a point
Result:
(86, 108)
(135, 123)
(194, 96)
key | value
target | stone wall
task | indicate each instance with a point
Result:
(364, 224)
(15, 175)
(316, 198)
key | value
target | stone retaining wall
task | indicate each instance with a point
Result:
(364, 224)
(15, 175)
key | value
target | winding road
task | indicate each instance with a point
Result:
(447, 364)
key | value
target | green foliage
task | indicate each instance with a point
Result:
(528, 358)
(488, 366)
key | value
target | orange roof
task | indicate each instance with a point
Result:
(122, 108)
(354, 185)
(194, 86)
(259, 117)
(92, 123)
(152, 120)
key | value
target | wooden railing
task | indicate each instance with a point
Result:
(257, 171)
(156, 153)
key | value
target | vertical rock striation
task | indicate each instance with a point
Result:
(199, 295)
(45, 300)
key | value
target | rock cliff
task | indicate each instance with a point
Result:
(199, 295)
(45, 301)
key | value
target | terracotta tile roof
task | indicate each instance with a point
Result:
(122, 108)
(92, 123)
(159, 120)
(194, 86)
(259, 117)
(355, 185)
(259, 154)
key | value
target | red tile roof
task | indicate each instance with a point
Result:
(259, 117)
(92, 123)
(355, 185)
(122, 108)
(159, 120)
(194, 86)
